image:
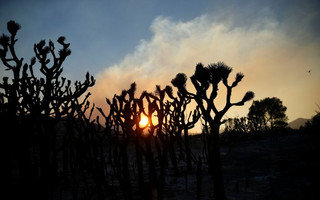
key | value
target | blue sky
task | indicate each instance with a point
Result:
(110, 28)
(274, 43)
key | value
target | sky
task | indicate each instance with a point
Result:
(274, 43)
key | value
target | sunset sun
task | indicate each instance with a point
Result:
(144, 121)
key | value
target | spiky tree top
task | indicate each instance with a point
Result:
(51, 94)
(202, 79)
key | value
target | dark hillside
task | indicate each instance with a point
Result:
(297, 123)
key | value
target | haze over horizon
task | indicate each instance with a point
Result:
(274, 43)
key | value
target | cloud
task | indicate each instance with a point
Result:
(176, 47)
(273, 64)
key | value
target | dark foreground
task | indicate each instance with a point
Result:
(270, 167)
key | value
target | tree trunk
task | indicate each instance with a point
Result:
(173, 156)
(215, 162)
(152, 169)
(188, 150)
(140, 167)
(125, 172)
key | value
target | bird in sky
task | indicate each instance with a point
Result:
(309, 71)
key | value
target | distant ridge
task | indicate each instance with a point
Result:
(297, 123)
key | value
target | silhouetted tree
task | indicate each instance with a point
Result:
(237, 124)
(32, 107)
(313, 125)
(315, 122)
(125, 113)
(184, 122)
(125, 117)
(204, 80)
(268, 113)
(166, 115)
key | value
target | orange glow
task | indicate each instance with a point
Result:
(144, 121)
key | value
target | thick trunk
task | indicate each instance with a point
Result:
(188, 150)
(215, 162)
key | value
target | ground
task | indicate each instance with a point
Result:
(269, 167)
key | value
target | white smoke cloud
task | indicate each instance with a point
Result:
(273, 63)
